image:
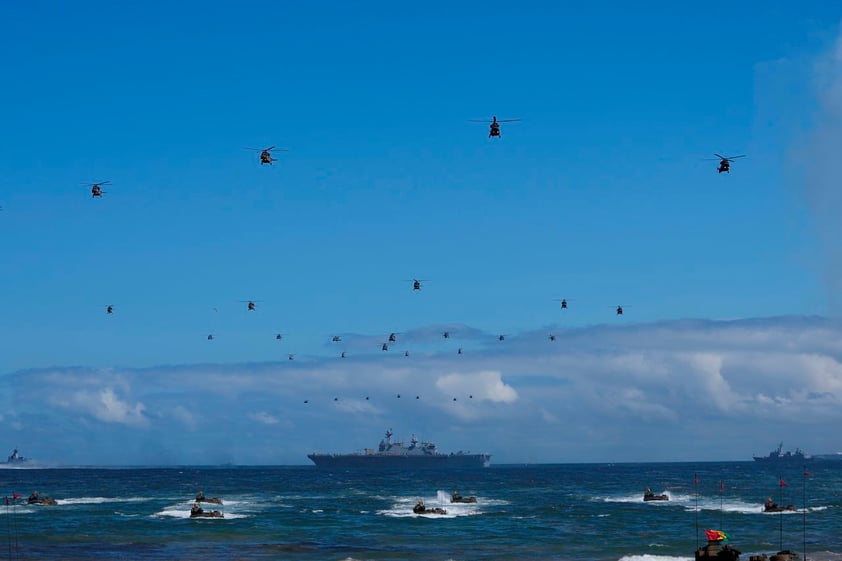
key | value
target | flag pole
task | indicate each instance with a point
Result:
(696, 482)
(781, 513)
(721, 489)
(804, 513)
(8, 528)
(15, 521)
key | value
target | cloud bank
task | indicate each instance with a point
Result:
(671, 390)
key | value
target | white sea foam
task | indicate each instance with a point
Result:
(690, 503)
(183, 511)
(18, 509)
(186, 515)
(100, 500)
(403, 507)
(638, 498)
(443, 497)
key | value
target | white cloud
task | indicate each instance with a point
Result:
(265, 418)
(486, 385)
(185, 417)
(106, 406)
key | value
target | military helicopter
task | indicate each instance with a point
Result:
(210, 337)
(416, 284)
(406, 353)
(494, 125)
(446, 334)
(336, 338)
(392, 337)
(96, 188)
(109, 309)
(250, 303)
(342, 355)
(551, 337)
(459, 352)
(563, 302)
(619, 310)
(265, 154)
(725, 162)
(385, 347)
(279, 336)
(290, 356)
(501, 337)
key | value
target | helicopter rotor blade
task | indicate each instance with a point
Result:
(735, 157)
(507, 120)
(720, 156)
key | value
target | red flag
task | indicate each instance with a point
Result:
(808, 474)
(16, 495)
(783, 483)
(721, 485)
(716, 535)
(696, 476)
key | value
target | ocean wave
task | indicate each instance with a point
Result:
(403, 507)
(648, 557)
(100, 500)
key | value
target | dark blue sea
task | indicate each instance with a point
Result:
(581, 511)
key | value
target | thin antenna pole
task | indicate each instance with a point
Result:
(696, 482)
(804, 513)
(781, 513)
(15, 524)
(721, 489)
(15, 519)
(8, 528)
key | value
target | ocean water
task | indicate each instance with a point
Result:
(580, 511)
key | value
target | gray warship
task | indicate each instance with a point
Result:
(777, 456)
(396, 455)
(16, 459)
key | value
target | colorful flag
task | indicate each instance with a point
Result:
(783, 483)
(721, 485)
(808, 474)
(716, 535)
(696, 476)
(16, 495)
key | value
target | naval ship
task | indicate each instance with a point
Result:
(15, 458)
(777, 456)
(396, 455)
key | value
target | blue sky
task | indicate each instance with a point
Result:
(600, 194)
